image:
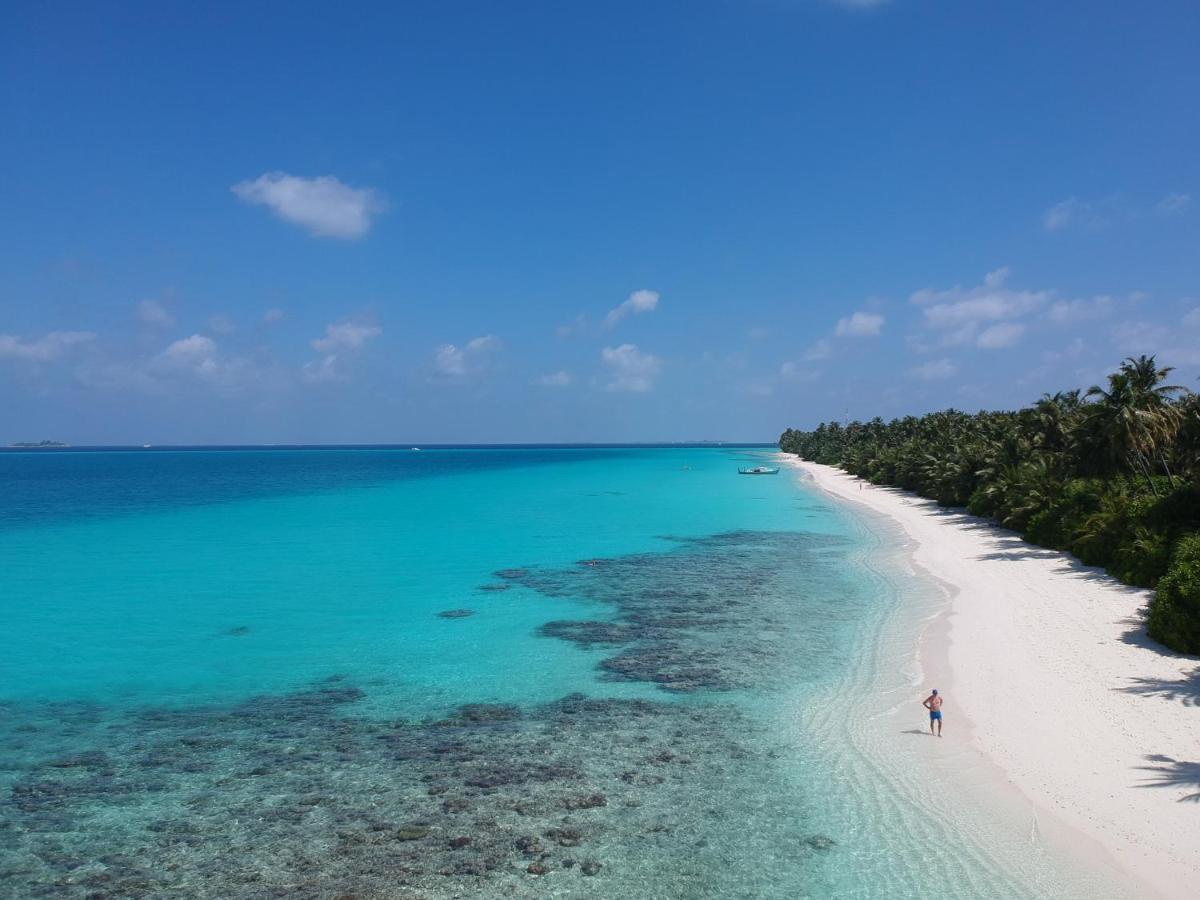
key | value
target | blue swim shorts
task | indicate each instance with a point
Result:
(935, 715)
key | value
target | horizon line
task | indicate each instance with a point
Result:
(403, 445)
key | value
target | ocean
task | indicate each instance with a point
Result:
(467, 672)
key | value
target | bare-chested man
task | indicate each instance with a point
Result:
(933, 703)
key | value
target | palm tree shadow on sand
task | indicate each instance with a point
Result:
(1185, 690)
(1172, 773)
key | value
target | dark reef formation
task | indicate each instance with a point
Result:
(301, 795)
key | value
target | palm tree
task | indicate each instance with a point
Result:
(1136, 417)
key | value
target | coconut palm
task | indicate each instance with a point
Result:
(1136, 417)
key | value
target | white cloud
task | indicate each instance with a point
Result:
(324, 205)
(154, 313)
(559, 379)
(1005, 334)
(450, 361)
(758, 333)
(190, 349)
(197, 357)
(1192, 319)
(935, 369)
(338, 337)
(454, 363)
(271, 316)
(960, 313)
(822, 349)
(1069, 213)
(345, 335)
(486, 342)
(1173, 203)
(1064, 311)
(630, 369)
(860, 324)
(323, 369)
(47, 348)
(638, 302)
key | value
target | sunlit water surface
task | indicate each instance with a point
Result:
(622, 672)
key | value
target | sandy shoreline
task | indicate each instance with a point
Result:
(1094, 724)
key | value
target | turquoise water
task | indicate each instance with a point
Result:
(229, 674)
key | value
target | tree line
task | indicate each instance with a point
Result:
(1111, 475)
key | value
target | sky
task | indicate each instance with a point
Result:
(564, 221)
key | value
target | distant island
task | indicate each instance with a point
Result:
(34, 445)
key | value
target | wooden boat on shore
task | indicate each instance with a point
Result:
(759, 470)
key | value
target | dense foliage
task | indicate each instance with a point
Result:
(1113, 476)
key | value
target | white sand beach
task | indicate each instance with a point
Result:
(1048, 663)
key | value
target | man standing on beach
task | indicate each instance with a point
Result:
(933, 703)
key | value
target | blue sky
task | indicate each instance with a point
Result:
(454, 221)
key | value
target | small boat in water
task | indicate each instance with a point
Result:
(759, 470)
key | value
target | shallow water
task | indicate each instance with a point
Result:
(230, 675)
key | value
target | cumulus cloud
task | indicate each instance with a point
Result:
(339, 338)
(345, 336)
(325, 206)
(637, 303)
(190, 348)
(860, 324)
(559, 379)
(935, 369)
(154, 313)
(45, 349)
(271, 316)
(197, 357)
(197, 354)
(960, 314)
(630, 369)
(454, 363)
(1173, 203)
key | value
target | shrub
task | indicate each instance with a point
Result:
(1175, 611)
(1144, 555)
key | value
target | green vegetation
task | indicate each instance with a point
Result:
(1113, 476)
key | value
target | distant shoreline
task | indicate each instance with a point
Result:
(1049, 661)
(406, 446)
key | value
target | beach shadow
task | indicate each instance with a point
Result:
(1185, 690)
(1135, 635)
(1016, 554)
(914, 731)
(1173, 773)
(1010, 546)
